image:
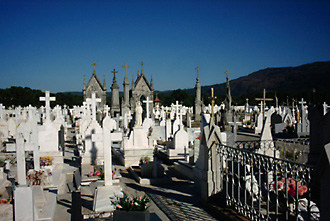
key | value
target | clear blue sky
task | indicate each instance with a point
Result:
(51, 45)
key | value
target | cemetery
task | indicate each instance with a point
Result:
(206, 162)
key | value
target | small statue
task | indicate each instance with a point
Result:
(138, 114)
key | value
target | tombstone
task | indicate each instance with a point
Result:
(181, 141)
(48, 141)
(24, 206)
(276, 119)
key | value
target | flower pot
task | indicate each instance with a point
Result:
(119, 215)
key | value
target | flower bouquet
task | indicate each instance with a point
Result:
(38, 177)
(291, 190)
(124, 202)
(46, 161)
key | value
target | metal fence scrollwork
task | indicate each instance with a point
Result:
(263, 187)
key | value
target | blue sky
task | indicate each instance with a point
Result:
(51, 45)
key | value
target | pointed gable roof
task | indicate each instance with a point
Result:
(142, 78)
(97, 81)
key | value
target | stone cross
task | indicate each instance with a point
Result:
(106, 109)
(93, 101)
(94, 64)
(177, 105)
(126, 66)
(142, 63)
(263, 101)
(114, 72)
(47, 100)
(197, 69)
(147, 102)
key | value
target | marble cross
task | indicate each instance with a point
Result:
(106, 109)
(177, 105)
(147, 102)
(47, 100)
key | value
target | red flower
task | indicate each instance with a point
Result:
(291, 192)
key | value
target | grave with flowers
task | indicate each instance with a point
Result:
(131, 207)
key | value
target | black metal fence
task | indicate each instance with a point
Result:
(263, 187)
(296, 150)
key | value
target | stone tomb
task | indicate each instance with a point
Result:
(49, 142)
(134, 147)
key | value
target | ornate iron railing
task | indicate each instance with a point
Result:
(296, 150)
(263, 187)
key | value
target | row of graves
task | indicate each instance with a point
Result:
(32, 143)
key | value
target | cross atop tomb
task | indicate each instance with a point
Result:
(94, 64)
(106, 109)
(213, 102)
(197, 69)
(114, 74)
(177, 105)
(263, 101)
(47, 100)
(147, 102)
(302, 102)
(126, 66)
(227, 72)
(93, 102)
(142, 63)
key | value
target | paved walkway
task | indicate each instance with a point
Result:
(175, 201)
